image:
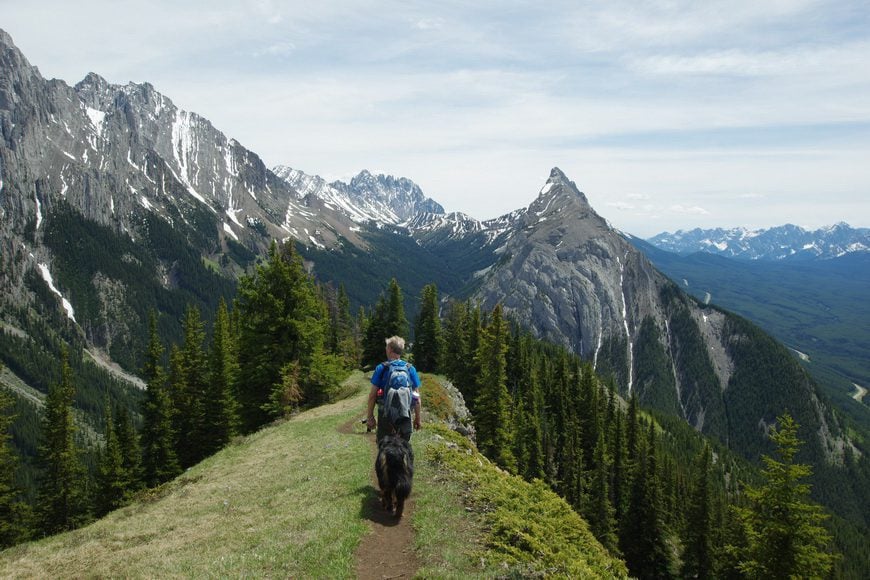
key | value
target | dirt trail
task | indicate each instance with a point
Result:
(860, 392)
(388, 551)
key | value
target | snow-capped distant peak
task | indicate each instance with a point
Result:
(779, 243)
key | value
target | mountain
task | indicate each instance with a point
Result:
(377, 198)
(788, 242)
(817, 308)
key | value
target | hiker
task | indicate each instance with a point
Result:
(396, 390)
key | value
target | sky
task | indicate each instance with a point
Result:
(667, 114)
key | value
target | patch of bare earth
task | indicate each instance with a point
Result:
(388, 551)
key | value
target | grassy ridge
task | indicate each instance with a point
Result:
(292, 500)
(285, 502)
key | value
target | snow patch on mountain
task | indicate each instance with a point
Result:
(46, 275)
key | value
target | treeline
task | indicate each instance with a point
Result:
(658, 500)
(286, 343)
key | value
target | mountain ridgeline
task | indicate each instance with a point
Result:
(114, 202)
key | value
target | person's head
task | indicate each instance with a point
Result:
(395, 345)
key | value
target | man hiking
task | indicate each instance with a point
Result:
(396, 390)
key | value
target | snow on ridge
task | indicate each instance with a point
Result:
(231, 213)
(46, 275)
(230, 231)
(38, 210)
(97, 117)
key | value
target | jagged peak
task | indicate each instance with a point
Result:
(5, 39)
(557, 186)
(12, 55)
(93, 82)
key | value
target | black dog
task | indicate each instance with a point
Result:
(395, 469)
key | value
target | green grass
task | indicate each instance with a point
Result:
(510, 527)
(292, 500)
(284, 502)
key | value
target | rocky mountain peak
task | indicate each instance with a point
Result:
(560, 204)
(5, 39)
(11, 58)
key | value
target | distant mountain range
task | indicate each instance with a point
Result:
(788, 242)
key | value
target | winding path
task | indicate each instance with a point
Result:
(859, 393)
(388, 551)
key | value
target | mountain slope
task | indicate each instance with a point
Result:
(815, 307)
(574, 280)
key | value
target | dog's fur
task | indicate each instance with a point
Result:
(395, 468)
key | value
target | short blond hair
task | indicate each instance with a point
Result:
(396, 344)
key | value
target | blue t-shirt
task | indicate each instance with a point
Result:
(381, 374)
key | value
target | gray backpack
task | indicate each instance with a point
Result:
(397, 393)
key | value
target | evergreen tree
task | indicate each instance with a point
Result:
(619, 469)
(428, 342)
(642, 540)
(471, 381)
(220, 416)
(112, 481)
(493, 402)
(456, 352)
(783, 531)
(12, 509)
(395, 323)
(159, 461)
(374, 335)
(698, 553)
(287, 395)
(282, 319)
(61, 498)
(530, 455)
(131, 454)
(602, 519)
(347, 346)
(192, 391)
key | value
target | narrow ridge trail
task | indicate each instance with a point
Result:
(388, 551)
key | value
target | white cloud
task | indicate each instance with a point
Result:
(691, 210)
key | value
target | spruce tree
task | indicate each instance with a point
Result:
(193, 389)
(602, 520)
(456, 353)
(471, 382)
(159, 461)
(131, 453)
(698, 541)
(642, 540)
(428, 342)
(619, 470)
(61, 499)
(112, 480)
(374, 334)
(493, 403)
(283, 319)
(530, 438)
(12, 509)
(220, 413)
(783, 531)
(395, 324)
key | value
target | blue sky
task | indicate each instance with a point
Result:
(667, 114)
